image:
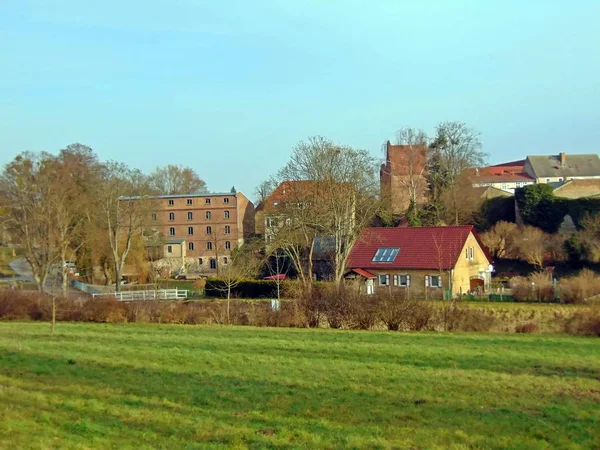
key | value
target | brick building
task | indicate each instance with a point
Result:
(211, 224)
(404, 171)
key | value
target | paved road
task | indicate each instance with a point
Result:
(22, 268)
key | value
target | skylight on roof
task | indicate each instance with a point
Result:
(385, 255)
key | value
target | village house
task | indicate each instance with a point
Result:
(558, 169)
(506, 176)
(422, 261)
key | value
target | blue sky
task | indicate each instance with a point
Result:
(229, 87)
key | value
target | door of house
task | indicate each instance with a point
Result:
(369, 285)
(477, 285)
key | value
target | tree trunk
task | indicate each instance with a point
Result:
(228, 299)
(53, 316)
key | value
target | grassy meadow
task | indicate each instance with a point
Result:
(174, 386)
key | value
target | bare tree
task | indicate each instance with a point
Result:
(176, 179)
(344, 194)
(263, 190)
(27, 184)
(499, 238)
(531, 244)
(240, 266)
(124, 207)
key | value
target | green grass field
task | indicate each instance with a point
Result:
(158, 386)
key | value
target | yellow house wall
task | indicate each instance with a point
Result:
(466, 269)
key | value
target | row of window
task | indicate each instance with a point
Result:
(191, 230)
(433, 281)
(191, 246)
(190, 215)
(191, 202)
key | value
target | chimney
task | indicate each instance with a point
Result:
(563, 158)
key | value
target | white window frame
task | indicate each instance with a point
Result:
(171, 202)
(171, 217)
(226, 200)
(191, 246)
(398, 280)
(172, 231)
(226, 214)
(209, 245)
(429, 280)
(213, 263)
(190, 215)
(209, 230)
(207, 201)
(189, 201)
(227, 229)
(190, 231)
(227, 245)
(208, 215)
(385, 277)
(169, 249)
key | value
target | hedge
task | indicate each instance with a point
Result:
(216, 287)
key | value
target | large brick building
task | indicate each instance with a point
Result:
(211, 225)
(403, 172)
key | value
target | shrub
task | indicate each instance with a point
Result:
(216, 287)
(579, 288)
(586, 323)
(457, 317)
(529, 327)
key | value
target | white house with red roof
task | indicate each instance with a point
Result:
(421, 261)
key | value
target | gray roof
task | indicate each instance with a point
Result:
(174, 241)
(575, 166)
(210, 194)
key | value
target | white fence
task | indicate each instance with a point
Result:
(160, 294)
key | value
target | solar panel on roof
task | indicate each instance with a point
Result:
(385, 254)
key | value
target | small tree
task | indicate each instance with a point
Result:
(240, 266)
(499, 238)
(531, 245)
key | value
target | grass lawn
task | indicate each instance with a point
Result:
(145, 386)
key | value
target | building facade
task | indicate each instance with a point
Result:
(421, 261)
(210, 224)
(403, 175)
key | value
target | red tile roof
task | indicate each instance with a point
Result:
(420, 247)
(363, 273)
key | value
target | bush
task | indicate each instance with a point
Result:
(529, 327)
(584, 323)
(216, 287)
(457, 317)
(579, 288)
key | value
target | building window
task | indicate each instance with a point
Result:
(154, 216)
(190, 215)
(225, 260)
(402, 280)
(200, 261)
(384, 280)
(269, 222)
(207, 201)
(434, 281)
(226, 200)
(505, 186)
(191, 246)
(208, 215)
(227, 245)
(171, 217)
(227, 229)
(547, 180)
(471, 253)
(171, 202)
(209, 246)
(213, 263)
(189, 201)
(208, 230)
(172, 231)
(169, 249)
(190, 231)
(226, 214)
